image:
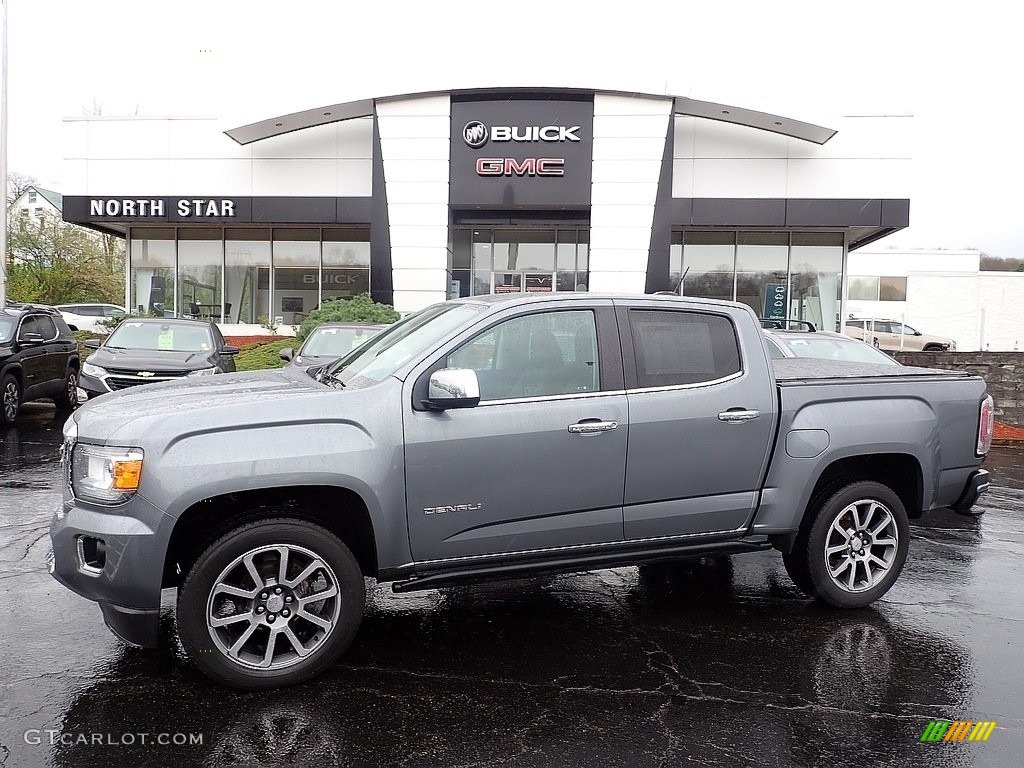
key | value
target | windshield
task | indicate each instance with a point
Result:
(161, 337)
(829, 348)
(335, 342)
(388, 351)
(7, 325)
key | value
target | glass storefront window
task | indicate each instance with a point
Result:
(346, 271)
(708, 265)
(816, 267)
(482, 260)
(511, 260)
(762, 259)
(151, 271)
(892, 289)
(200, 265)
(462, 261)
(296, 288)
(247, 275)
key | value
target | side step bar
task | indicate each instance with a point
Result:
(522, 569)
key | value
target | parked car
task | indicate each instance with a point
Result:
(148, 350)
(494, 437)
(822, 345)
(87, 317)
(890, 334)
(330, 341)
(38, 359)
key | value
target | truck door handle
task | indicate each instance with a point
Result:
(592, 427)
(738, 415)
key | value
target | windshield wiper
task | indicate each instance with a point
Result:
(332, 379)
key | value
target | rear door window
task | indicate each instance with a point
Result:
(45, 326)
(674, 347)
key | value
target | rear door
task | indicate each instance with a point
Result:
(540, 462)
(54, 359)
(32, 358)
(702, 411)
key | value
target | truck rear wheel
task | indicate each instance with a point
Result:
(854, 548)
(270, 604)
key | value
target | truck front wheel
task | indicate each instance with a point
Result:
(854, 546)
(272, 603)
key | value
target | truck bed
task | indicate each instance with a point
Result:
(805, 369)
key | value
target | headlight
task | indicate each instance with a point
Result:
(203, 372)
(105, 474)
(93, 370)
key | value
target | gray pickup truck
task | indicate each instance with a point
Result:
(490, 438)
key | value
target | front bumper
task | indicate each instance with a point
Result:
(93, 386)
(977, 484)
(128, 584)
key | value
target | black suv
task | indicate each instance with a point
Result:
(38, 359)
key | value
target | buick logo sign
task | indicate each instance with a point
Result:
(475, 134)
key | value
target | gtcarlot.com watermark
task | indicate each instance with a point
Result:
(54, 736)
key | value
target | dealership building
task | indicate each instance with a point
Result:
(423, 197)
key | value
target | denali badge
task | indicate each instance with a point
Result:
(475, 134)
(452, 508)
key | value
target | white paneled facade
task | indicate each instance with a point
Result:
(945, 293)
(629, 142)
(414, 147)
(401, 183)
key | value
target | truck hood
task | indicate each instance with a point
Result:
(211, 401)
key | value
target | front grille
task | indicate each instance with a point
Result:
(123, 382)
(133, 372)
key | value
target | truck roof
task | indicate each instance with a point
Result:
(584, 296)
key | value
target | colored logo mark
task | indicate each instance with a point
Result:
(958, 730)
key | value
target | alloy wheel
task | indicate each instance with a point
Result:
(861, 545)
(12, 400)
(273, 606)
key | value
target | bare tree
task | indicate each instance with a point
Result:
(17, 183)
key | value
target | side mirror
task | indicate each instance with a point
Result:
(31, 339)
(92, 343)
(453, 388)
(286, 354)
(917, 333)
(227, 349)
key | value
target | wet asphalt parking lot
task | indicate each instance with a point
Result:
(716, 663)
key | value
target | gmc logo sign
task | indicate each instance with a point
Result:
(530, 166)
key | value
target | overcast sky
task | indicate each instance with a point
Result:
(956, 67)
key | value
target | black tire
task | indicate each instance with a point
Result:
(808, 562)
(10, 399)
(68, 398)
(205, 644)
(932, 348)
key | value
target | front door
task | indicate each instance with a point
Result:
(701, 421)
(540, 462)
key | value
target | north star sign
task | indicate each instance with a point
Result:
(143, 207)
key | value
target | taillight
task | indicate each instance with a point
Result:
(986, 420)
